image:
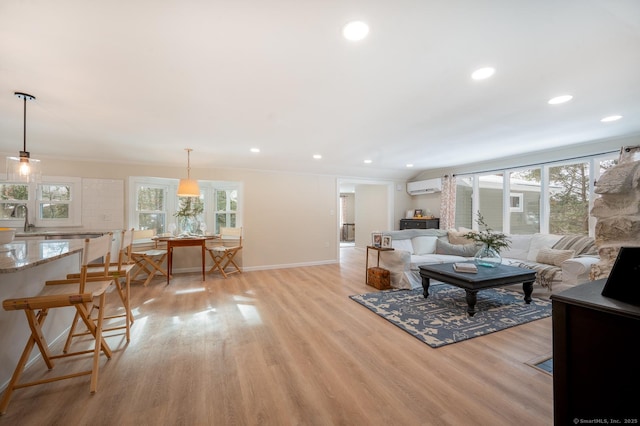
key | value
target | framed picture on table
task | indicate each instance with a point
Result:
(386, 241)
(376, 239)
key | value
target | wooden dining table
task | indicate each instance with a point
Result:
(191, 241)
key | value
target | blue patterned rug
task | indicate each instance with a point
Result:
(442, 319)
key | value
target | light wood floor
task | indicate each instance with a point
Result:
(288, 347)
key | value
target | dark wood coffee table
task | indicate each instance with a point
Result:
(499, 276)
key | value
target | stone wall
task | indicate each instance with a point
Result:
(617, 211)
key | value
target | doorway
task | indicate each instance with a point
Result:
(364, 207)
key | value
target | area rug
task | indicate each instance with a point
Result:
(442, 318)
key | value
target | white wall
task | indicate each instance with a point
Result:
(288, 219)
(371, 212)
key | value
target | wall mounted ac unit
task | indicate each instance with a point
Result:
(428, 186)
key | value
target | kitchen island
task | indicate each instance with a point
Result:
(24, 268)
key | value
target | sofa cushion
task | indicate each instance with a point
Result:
(404, 244)
(541, 240)
(424, 244)
(553, 256)
(580, 244)
(464, 250)
(456, 237)
(518, 247)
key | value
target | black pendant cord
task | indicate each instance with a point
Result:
(24, 125)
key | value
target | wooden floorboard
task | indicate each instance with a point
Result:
(288, 347)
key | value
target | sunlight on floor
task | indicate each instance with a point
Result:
(250, 313)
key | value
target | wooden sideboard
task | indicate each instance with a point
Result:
(595, 357)
(419, 223)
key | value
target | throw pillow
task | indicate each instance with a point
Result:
(456, 237)
(464, 250)
(403, 244)
(539, 241)
(424, 244)
(553, 256)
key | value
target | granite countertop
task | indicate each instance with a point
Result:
(20, 255)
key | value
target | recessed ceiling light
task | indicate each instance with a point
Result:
(355, 30)
(409, 165)
(482, 73)
(611, 118)
(368, 161)
(255, 149)
(560, 99)
(317, 156)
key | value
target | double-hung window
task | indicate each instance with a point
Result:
(53, 202)
(155, 205)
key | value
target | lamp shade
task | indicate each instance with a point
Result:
(188, 188)
(23, 169)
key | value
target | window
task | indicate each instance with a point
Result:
(226, 208)
(569, 199)
(551, 198)
(464, 201)
(491, 200)
(12, 196)
(151, 207)
(57, 202)
(515, 202)
(524, 208)
(156, 206)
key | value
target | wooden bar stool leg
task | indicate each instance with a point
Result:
(35, 324)
(98, 343)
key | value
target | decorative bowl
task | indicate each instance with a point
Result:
(7, 235)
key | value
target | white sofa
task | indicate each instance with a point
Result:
(559, 261)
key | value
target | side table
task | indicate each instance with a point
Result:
(378, 249)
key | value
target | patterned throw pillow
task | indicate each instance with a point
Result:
(553, 256)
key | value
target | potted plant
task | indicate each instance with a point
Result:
(492, 243)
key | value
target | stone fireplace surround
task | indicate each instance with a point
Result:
(617, 210)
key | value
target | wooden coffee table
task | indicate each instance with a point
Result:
(499, 276)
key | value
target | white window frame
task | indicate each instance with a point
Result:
(34, 201)
(519, 208)
(74, 203)
(594, 171)
(207, 188)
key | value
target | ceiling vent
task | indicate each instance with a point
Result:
(428, 186)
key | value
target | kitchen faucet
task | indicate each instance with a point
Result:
(27, 225)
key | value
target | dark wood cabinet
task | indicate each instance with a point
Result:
(596, 372)
(419, 223)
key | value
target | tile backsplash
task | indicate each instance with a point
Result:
(102, 204)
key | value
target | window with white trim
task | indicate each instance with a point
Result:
(53, 202)
(154, 205)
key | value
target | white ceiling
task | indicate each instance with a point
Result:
(139, 81)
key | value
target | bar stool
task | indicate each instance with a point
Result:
(78, 294)
(120, 271)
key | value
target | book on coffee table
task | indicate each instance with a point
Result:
(467, 267)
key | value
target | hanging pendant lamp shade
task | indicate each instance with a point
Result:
(188, 187)
(23, 168)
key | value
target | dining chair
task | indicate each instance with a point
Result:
(78, 294)
(223, 253)
(148, 260)
(120, 271)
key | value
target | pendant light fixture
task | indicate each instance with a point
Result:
(188, 187)
(23, 168)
